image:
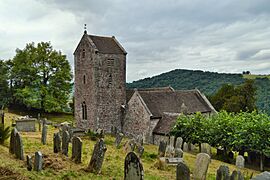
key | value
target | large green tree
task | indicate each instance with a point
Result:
(4, 88)
(41, 77)
(235, 98)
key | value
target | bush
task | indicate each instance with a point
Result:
(4, 133)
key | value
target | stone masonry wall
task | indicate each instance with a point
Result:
(137, 120)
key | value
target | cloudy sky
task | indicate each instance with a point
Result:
(159, 35)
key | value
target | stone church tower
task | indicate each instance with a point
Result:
(100, 83)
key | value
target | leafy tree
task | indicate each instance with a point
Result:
(4, 133)
(4, 88)
(41, 77)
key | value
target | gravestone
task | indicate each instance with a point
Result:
(178, 153)
(173, 161)
(240, 161)
(179, 143)
(26, 124)
(77, 149)
(118, 139)
(223, 173)
(19, 152)
(38, 161)
(162, 148)
(201, 166)
(100, 133)
(237, 175)
(206, 148)
(65, 142)
(56, 142)
(262, 176)
(185, 147)
(133, 167)
(129, 145)
(182, 171)
(12, 140)
(97, 158)
(29, 162)
(170, 148)
(44, 134)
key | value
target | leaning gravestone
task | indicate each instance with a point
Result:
(97, 157)
(223, 173)
(206, 148)
(65, 142)
(162, 148)
(29, 162)
(236, 175)
(185, 147)
(179, 142)
(133, 167)
(201, 166)
(12, 140)
(44, 134)
(182, 171)
(19, 147)
(264, 175)
(38, 161)
(77, 149)
(240, 161)
(56, 142)
(118, 139)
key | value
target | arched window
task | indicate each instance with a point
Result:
(84, 111)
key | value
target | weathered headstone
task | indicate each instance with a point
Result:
(97, 157)
(178, 153)
(26, 124)
(38, 161)
(29, 162)
(39, 125)
(65, 142)
(185, 147)
(223, 173)
(129, 145)
(100, 133)
(240, 161)
(182, 171)
(172, 139)
(118, 139)
(77, 149)
(206, 148)
(179, 143)
(133, 167)
(56, 142)
(162, 148)
(170, 148)
(44, 134)
(12, 141)
(262, 176)
(236, 175)
(19, 152)
(201, 166)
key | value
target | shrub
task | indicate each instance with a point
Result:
(4, 133)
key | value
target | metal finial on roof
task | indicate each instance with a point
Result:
(85, 29)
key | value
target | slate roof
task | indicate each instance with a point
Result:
(160, 102)
(107, 45)
(165, 124)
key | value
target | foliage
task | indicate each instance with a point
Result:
(4, 88)
(4, 133)
(235, 98)
(41, 77)
(242, 131)
(208, 83)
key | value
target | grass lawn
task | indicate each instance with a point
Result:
(254, 76)
(58, 166)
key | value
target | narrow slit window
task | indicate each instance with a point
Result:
(84, 111)
(84, 80)
(83, 53)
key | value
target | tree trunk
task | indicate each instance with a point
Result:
(262, 162)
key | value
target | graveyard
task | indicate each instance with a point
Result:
(61, 166)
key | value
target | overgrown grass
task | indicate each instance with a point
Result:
(113, 165)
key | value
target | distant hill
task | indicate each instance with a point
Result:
(207, 82)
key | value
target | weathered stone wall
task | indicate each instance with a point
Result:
(157, 138)
(137, 120)
(153, 123)
(102, 88)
